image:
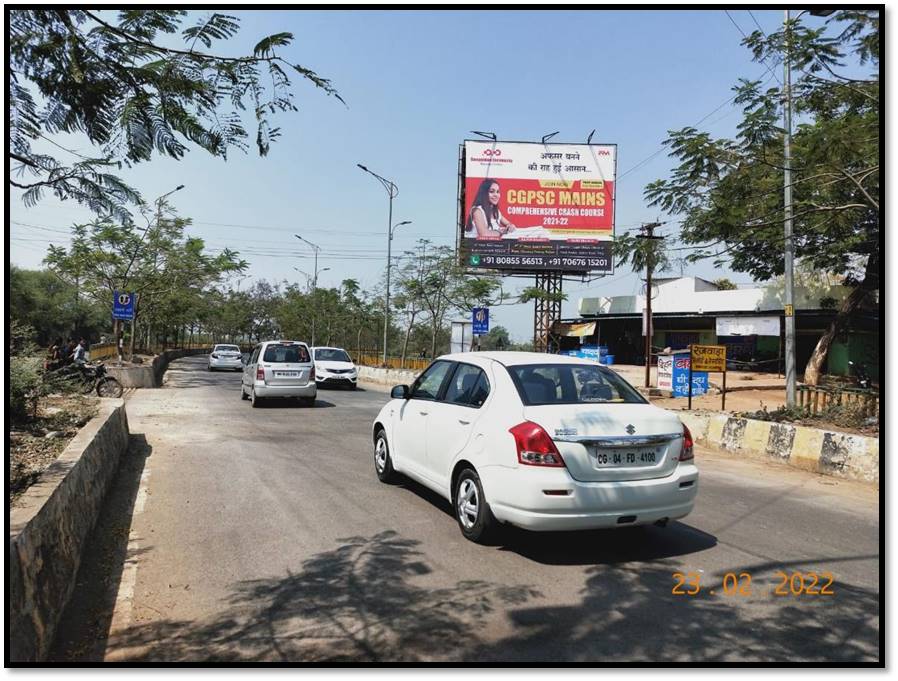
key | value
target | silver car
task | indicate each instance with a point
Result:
(225, 357)
(281, 368)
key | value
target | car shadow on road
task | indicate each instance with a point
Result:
(85, 623)
(359, 602)
(288, 403)
(592, 547)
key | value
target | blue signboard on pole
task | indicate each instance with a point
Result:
(481, 321)
(122, 305)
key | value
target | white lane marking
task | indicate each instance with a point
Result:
(122, 613)
(142, 492)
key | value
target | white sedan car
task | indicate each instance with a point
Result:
(226, 357)
(334, 366)
(543, 442)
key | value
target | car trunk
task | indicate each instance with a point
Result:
(286, 373)
(613, 441)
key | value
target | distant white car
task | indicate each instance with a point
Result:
(334, 366)
(543, 442)
(226, 357)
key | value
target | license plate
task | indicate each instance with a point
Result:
(610, 458)
(286, 374)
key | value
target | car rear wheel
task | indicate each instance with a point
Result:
(256, 401)
(243, 395)
(475, 519)
(383, 464)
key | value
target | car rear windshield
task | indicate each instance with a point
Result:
(286, 354)
(571, 384)
(331, 355)
(226, 348)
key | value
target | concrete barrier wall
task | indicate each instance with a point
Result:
(822, 451)
(49, 529)
(149, 375)
(389, 377)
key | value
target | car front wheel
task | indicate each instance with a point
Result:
(475, 519)
(383, 464)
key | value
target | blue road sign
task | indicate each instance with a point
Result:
(122, 305)
(481, 317)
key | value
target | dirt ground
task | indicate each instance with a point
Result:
(36, 445)
(747, 391)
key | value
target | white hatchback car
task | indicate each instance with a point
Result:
(543, 442)
(226, 357)
(333, 366)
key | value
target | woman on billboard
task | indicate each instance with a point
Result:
(485, 218)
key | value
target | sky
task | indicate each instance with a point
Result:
(416, 83)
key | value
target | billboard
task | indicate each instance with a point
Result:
(532, 206)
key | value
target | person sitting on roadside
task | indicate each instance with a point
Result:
(54, 355)
(79, 355)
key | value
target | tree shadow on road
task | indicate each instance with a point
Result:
(356, 603)
(628, 614)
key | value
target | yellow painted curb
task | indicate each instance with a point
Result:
(806, 447)
(755, 437)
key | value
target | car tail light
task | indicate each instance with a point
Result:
(535, 447)
(312, 374)
(260, 374)
(214, 356)
(687, 452)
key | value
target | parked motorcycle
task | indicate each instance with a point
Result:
(89, 378)
(861, 374)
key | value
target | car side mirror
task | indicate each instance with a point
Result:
(400, 392)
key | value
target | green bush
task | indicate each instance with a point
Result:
(25, 378)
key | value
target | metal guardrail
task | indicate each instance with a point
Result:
(814, 399)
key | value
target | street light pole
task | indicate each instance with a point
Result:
(393, 192)
(789, 301)
(315, 249)
(137, 301)
(788, 267)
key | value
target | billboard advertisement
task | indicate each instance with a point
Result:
(534, 206)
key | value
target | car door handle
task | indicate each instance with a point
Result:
(424, 413)
(463, 422)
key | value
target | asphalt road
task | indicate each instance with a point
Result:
(263, 535)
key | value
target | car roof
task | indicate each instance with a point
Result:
(514, 358)
(283, 340)
(327, 347)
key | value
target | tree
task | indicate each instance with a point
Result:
(496, 339)
(724, 284)
(52, 308)
(158, 263)
(119, 80)
(434, 284)
(730, 191)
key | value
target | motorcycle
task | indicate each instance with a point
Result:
(860, 373)
(89, 378)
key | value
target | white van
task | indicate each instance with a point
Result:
(281, 368)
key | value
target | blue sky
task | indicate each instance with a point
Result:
(416, 82)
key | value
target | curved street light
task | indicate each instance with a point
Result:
(393, 192)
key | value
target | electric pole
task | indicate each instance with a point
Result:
(648, 232)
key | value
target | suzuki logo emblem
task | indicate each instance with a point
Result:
(630, 428)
